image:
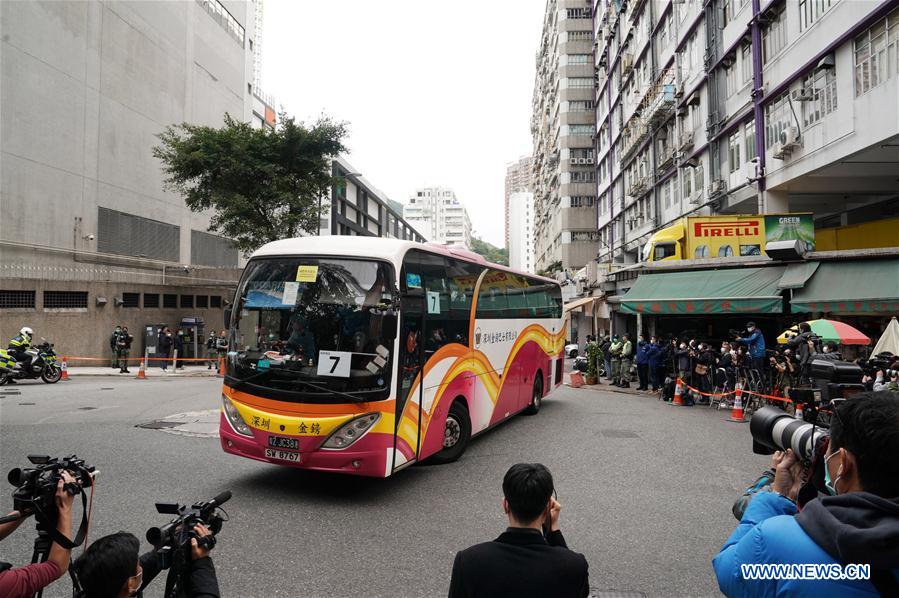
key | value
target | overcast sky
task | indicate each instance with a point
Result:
(435, 92)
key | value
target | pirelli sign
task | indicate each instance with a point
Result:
(732, 228)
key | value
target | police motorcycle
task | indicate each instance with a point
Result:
(44, 365)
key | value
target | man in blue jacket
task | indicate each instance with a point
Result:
(655, 355)
(857, 524)
(755, 344)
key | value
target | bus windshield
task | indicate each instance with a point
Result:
(314, 329)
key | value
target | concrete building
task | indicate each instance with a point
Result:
(521, 231)
(731, 107)
(89, 238)
(562, 125)
(518, 178)
(437, 214)
(358, 208)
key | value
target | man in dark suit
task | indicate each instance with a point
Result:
(530, 558)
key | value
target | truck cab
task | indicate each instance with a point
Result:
(665, 244)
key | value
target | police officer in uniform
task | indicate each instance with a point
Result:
(123, 349)
(627, 353)
(114, 345)
(615, 352)
(18, 348)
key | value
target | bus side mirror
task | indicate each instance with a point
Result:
(227, 317)
(388, 326)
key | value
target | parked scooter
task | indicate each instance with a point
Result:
(44, 365)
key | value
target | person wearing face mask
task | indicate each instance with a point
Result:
(755, 344)
(858, 523)
(111, 568)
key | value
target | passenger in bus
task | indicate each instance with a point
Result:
(531, 557)
(301, 342)
(436, 340)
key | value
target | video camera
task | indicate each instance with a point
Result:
(881, 361)
(35, 491)
(175, 536)
(831, 379)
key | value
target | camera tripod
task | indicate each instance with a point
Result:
(41, 548)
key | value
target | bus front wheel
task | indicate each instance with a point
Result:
(456, 434)
(536, 396)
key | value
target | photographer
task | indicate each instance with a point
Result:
(892, 385)
(755, 344)
(28, 580)
(111, 568)
(857, 524)
(805, 344)
(530, 558)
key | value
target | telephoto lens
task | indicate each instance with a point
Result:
(775, 430)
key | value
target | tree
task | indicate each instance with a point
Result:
(490, 252)
(262, 184)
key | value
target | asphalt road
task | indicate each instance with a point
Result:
(646, 490)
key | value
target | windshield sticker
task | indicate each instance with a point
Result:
(413, 281)
(433, 302)
(307, 273)
(290, 293)
(334, 363)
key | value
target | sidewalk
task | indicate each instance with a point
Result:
(606, 386)
(152, 372)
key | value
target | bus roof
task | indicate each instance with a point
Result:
(392, 250)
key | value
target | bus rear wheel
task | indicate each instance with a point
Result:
(456, 434)
(536, 396)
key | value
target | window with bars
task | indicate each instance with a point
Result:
(126, 234)
(130, 299)
(65, 299)
(777, 118)
(580, 82)
(812, 10)
(215, 301)
(823, 87)
(187, 300)
(582, 201)
(733, 150)
(579, 58)
(750, 140)
(202, 301)
(151, 300)
(580, 130)
(17, 299)
(169, 301)
(877, 54)
(579, 13)
(580, 36)
(774, 36)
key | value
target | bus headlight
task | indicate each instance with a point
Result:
(234, 418)
(351, 431)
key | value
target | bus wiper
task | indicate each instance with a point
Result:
(242, 381)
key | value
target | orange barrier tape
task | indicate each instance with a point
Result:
(744, 392)
(138, 358)
(773, 398)
(706, 394)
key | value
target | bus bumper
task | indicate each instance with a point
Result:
(371, 455)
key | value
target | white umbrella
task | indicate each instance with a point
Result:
(889, 340)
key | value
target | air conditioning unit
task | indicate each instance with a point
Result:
(582, 160)
(806, 94)
(751, 170)
(789, 138)
(588, 160)
(572, 160)
(696, 198)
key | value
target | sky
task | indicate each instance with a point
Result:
(435, 92)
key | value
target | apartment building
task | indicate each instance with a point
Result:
(563, 127)
(742, 106)
(437, 213)
(518, 178)
(521, 231)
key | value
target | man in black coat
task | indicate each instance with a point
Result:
(530, 558)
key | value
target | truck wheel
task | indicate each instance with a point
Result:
(456, 434)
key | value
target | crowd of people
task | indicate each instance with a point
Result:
(710, 367)
(168, 345)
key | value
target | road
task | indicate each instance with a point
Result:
(646, 490)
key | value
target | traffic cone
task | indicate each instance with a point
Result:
(798, 414)
(678, 389)
(736, 414)
(142, 370)
(65, 368)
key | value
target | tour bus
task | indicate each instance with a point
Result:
(365, 355)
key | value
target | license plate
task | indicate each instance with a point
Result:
(282, 442)
(282, 455)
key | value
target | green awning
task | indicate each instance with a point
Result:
(851, 287)
(797, 275)
(732, 291)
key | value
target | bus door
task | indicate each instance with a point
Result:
(407, 437)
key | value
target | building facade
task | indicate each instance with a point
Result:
(562, 126)
(357, 208)
(518, 178)
(438, 214)
(521, 233)
(731, 107)
(89, 237)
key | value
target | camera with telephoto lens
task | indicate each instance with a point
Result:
(173, 539)
(880, 362)
(35, 491)
(830, 379)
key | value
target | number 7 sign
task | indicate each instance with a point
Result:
(334, 363)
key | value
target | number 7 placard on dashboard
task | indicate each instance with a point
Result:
(334, 363)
